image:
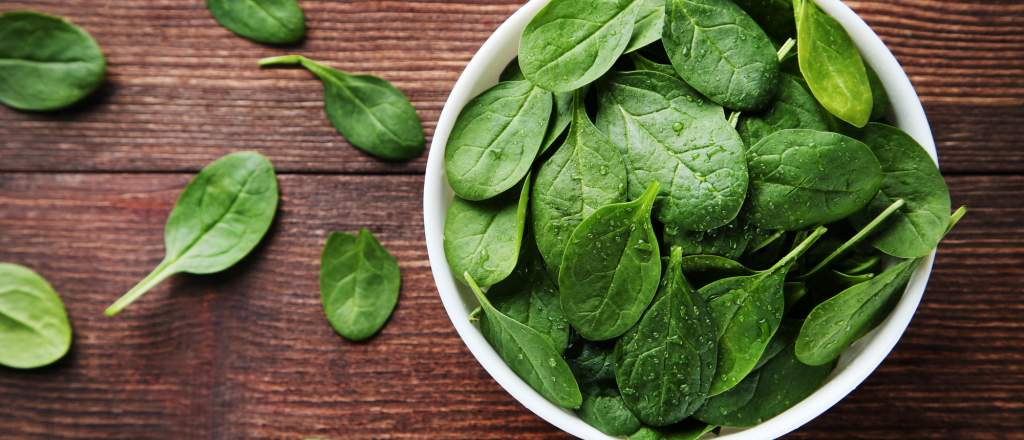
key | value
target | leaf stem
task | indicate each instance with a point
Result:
(955, 218)
(766, 242)
(857, 238)
(799, 249)
(786, 47)
(160, 273)
(283, 60)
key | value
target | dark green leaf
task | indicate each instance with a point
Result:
(649, 21)
(881, 106)
(604, 409)
(263, 21)
(729, 241)
(774, 16)
(705, 269)
(484, 238)
(687, 430)
(794, 107)
(34, 328)
(642, 63)
(359, 283)
(593, 363)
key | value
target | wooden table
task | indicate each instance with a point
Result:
(247, 354)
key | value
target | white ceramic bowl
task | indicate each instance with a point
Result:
(856, 363)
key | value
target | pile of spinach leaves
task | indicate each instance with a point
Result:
(681, 233)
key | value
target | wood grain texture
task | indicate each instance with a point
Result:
(247, 353)
(182, 90)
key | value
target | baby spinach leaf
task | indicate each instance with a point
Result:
(219, 218)
(794, 107)
(611, 268)
(370, 112)
(561, 114)
(34, 327)
(729, 241)
(832, 65)
(863, 233)
(801, 178)
(604, 409)
(46, 63)
(359, 283)
(911, 175)
(586, 173)
(686, 430)
(720, 51)
(530, 296)
(496, 138)
(664, 365)
(706, 269)
(528, 353)
(836, 323)
(649, 20)
(668, 134)
(774, 16)
(881, 106)
(569, 43)
(642, 63)
(484, 238)
(780, 384)
(263, 21)
(747, 311)
(593, 363)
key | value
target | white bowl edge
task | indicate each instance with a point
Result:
(856, 364)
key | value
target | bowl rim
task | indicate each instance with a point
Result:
(856, 364)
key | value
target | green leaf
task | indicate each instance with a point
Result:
(642, 63)
(832, 65)
(484, 238)
(686, 430)
(665, 364)
(863, 233)
(593, 363)
(604, 409)
(668, 134)
(720, 51)
(611, 268)
(649, 21)
(219, 218)
(262, 21)
(911, 175)
(496, 139)
(802, 178)
(569, 43)
(370, 112)
(747, 311)
(34, 328)
(706, 269)
(586, 173)
(881, 106)
(359, 283)
(774, 16)
(528, 353)
(46, 63)
(794, 107)
(728, 241)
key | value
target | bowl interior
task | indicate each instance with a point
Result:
(855, 364)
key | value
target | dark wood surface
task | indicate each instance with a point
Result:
(247, 354)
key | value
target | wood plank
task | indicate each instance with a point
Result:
(182, 90)
(248, 354)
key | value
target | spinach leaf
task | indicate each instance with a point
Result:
(801, 178)
(706, 269)
(747, 311)
(794, 107)
(782, 382)
(34, 327)
(530, 296)
(586, 173)
(642, 63)
(720, 51)
(263, 21)
(664, 365)
(512, 72)
(370, 112)
(668, 134)
(774, 16)
(863, 233)
(911, 175)
(649, 20)
(836, 323)
(729, 241)
(593, 363)
(496, 138)
(686, 430)
(569, 43)
(219, 218)
(611, 268)
(604, 409)
(359, 283)
(528, 353)
(881, 106)
(561, 114)
(484, 238)
(46, 63)
(832, 65)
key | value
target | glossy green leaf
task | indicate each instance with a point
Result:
(46, 63)
(728, 241)
(802, 178)
(34, 328)
(668, 134)
(569, 43)
(832, 65)
(611, 268)
(263, 21)
(794, 107)
(586, 173)
(528, 353)
(593, 363)
(911, 175)
(359, 283)
(706, 269)
(747, 311)
(649, 20)
(664, 365)
(642, 63)
(881, 105)
(720, 51)
(604, 409)
(561, 113)
(370, 112)
(484, 238)
(496, 139)
(219, 218)
(774, 16)
(686, 430)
